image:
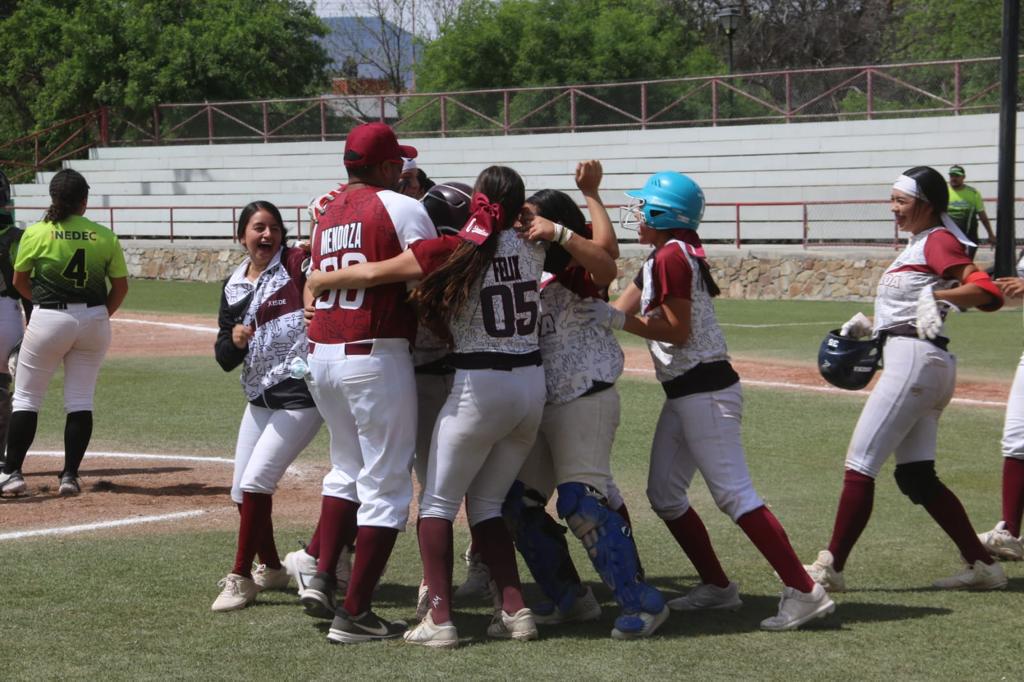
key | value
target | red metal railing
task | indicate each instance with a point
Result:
(838, 93)
(809, 223)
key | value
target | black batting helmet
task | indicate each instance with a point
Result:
(847, 362)
(447, 204)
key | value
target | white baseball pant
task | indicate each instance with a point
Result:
(78, 336)
(268, 442)
(902, 413)
(574, 444)
(701, 432)
(482, 437)
(11, 329)
(431, 392)
(369, 405)
(1013, 428)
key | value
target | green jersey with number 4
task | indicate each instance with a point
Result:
(70, 261)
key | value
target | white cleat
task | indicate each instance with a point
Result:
(270, 578)
(650, 623)
(301, 567)
(823, 572)
(12, 483)
(976, 576)
(797, 608)
(443, 636)
(519, 626)
(1000, 543)
(708, 597)
(237, 592)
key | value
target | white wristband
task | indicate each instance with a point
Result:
(562, 234)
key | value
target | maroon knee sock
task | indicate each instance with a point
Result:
(1013, 494)
(313, 546)
(692, 536)
(337, 530)
(268, 547)
(947, 511)
(768, 535)
(494, 543)
(624, 513)
(373, 548)
(855, 504)
(436, 551)
(255, 514)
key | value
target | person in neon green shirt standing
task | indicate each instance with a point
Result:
(62, 266)
(966, 207)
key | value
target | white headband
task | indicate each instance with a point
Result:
(908, 185)
(408, 165)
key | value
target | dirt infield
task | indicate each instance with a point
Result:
(121, 488)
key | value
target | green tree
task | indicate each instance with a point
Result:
(547, 42)
(519, 43)
(66, 57)
(945, 29)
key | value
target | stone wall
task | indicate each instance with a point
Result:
(173, 261)
(758, 273)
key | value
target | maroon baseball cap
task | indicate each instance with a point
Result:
(373, 143)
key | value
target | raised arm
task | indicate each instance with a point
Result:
(402, 268)
(588, 180)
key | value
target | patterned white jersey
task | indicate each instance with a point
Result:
(673, 271)
(927, 256)
(576, 353)
(501, 312)
(273, 308)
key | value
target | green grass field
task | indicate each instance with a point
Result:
(135, 604)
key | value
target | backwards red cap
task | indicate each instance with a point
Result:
(373, 143)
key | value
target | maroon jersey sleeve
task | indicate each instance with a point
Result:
(577, 280)
(672, 275)
(293, 260)
(433, 253)
(942, 251)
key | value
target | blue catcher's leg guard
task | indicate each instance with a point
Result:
(609, 542)
(541, 542)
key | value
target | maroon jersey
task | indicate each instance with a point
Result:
(365, 225)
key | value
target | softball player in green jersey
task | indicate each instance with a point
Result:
(62, 266)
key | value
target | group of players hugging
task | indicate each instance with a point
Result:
(467, 335)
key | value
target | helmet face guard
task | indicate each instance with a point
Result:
(667, 201)
(848, 363)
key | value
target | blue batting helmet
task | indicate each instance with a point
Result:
(846, 362)
(670, 201)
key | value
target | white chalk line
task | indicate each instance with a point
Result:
(828, 389)
(171, 325)
(762, 384)
(101, 525)
(116, 523)
(138, 455)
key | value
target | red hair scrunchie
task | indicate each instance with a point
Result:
(485, 218)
